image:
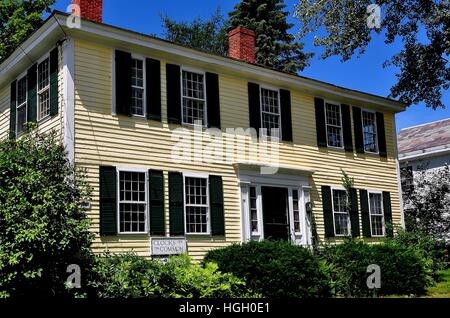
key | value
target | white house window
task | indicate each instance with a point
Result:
(21, 110)
(43, 89)
(253, 208)
(296, 211)
(132, 202)
(196, 205)
(137, 87)
(376, 214)
(270, 110)
(370, 131)
(334, 125)
(194, 98)
(340, 213)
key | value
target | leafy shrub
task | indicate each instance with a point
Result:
(403, 269)
(131, 276)
(274, 268)
(43, 228)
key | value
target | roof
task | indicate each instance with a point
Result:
(56, 23)
(430, 138)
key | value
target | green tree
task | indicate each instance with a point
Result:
(18, 19)
(43, 229)
(206, 35)
(275, 47)
(422, 25)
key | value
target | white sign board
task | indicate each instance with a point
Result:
(168, 246)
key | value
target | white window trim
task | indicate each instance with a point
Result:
(326, 123)
(144, 83)
(348, 213)
(382, 215)
(261, 87)
(205, 100)
(38, 92)
(376, 131)
(21, 77)
(208, 203)
(147, 207)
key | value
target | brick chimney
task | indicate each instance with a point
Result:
(90, 9)
(241, 44)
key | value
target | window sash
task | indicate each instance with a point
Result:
(265, 93)
(22, 82)
(369, 119)
(186, 97)
(200, 205)
(135, 87)
(376, 214)
(143, 204)
(338, 212)
(45, 76)
(338, 128)
(296, 211)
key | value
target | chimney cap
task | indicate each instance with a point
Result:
(241, 29)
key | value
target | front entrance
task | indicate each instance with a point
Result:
(275, 213)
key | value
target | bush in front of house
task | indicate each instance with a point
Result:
(43, 228)
(404, 270)
(132, 276)
(274, 269)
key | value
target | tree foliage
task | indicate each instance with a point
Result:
(206, 35)
(275, 46)
(18, 19)
(422, 25)
(427, 203)
(43, 229)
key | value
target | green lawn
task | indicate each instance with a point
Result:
(442, 288)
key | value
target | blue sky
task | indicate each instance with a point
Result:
(365, 73)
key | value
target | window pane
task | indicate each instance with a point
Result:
(193, 110)
(193, 98)
(22, 91)
(137, 73)
(132, 187)
(296, 211)
(341, 216)
(43, 74)
(44, 103)
(137, 101)
(253, 211)
(193, 85)
(334, 127)
(342, 223)
(333, 115)
(270, 110)
(370, 131)
(21, 118)
(196, 205)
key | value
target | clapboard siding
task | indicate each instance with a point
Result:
(104, 139)
(54, 123)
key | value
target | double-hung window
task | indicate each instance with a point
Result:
(270, 110)
(43, 89)
(132, 202)
(340, 213)
(137, 87)
(377, 227)
(194, 98)
(196, 205)
(21, 110)
(369, 131)
(296, 211)
(334, 125)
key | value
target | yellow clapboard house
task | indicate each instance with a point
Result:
(207, 150)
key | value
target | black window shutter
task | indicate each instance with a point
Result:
(254, 107)
(176, 207)
(54, 93)
(123, 83)
(217, 209)
(286, 116)
(327, 211)
(347, 127)
(357, 124)
(213, 100)
(156, 186)
(365, 214)
(388, 213)
(320, 122)
(381, 135)
(108, 200)
(173, 93)
(32, 89)
(12, 110)
(153, 89)
(354, 214)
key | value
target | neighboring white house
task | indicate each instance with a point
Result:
(426, 146)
